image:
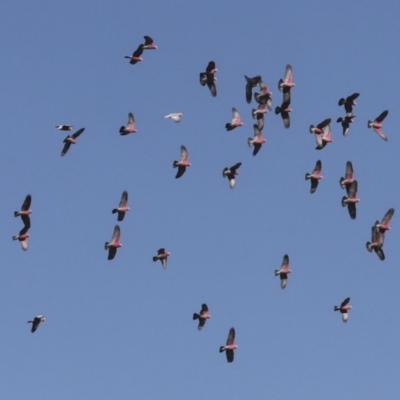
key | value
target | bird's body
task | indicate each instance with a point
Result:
(36, 322)
(235, 122)
(130, 126)
(176, 117)
(348, 177)
(376, 243)
(284, 111)
(377, 124)
(114, 244)
(208, 78)
(257, 141)
(230, 173)
(162, 255)
(149, 43)
(344, 309)
(284, 271)
(202, 316)
(135, 57)
(123, 207)
(383, 226)
(315, 176)
(22, 237)
(346, 121)
(324, 138)
(351, 199)
(183, 163)
(265, 96)
(230, 346)
(348, 103)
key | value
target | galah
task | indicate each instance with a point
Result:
(23, 238)
(319, 128)
(202, 316)
(348, 103)
(114, 244)
(36, 322)
(286, 83)
(346, 121)
(351, 199)
(25, 211)
(230, 345)
(259, 114)
(348, 177)
(70, 140)
(324, 138)
(344, 309)
(257, 141)
(130, 126)
(208, 78)
(377, 124)
(284, 110)
(284, 271)
(122, 208)
(236, 121)
(64, 127)
(162, 255)
(265, 96)
(383, 226)
(148, 43)
(376, 243)
(176, 117)
(182, 163)
(315, 176)
(230, 173)
(135, 57)
(250, 84)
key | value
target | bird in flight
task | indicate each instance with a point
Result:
(70, 140)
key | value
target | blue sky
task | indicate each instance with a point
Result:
(122, 329)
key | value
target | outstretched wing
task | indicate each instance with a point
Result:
(148, 40)
(288, 78)
(66, 147)
(124, 199)
(285, 263)
(184, 154)
(77, 133)
(388, 216)
(349, 170)
(231, 337)
(210, 66)
(116, 235)
(345, 302)
(318, 167)
(325, 122)
(27, 203)
(382, 116)
(235, 167)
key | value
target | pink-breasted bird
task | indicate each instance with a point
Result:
(265, 96)
(344, 309)
(257, 141)
(348, 177)
(351, 199)
(64, 127)
(182, 163)
(324, 138)
(259, 114)
(348, 103)
(250, 84)
(162, 255)
(319, 128)
(36, 322)
(149, 43)
(70, 140)
(114, 244)
(202, 316)
(284, 271)
(230, 345)
(383, 226)
(130, 126)
(235, 122)
(23, 238)
(209, 78)
(376, 243)
(135, 57)
(315, 176)
(284, 110)
(286, 83)
(377, 124)
(123, 207)
(25, 211)
(230, 173)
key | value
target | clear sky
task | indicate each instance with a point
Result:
(123, 329)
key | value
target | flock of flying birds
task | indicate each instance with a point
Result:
(322, 133)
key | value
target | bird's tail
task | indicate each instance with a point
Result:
(369, 124)
(114, 211)
(280, 85)
(341, 102)
(175, 164)
(221, 349)
(276, 272)
(253, 113)
(250, 141)
(336, 308)
(344, 201)
(196, 316)
(15, 238)
(155, 258)
(30, 322)
(277, 110)
(16, 213)
(308, 176)
(342, 185)
(228, 127)
(369, 246)
(122, 129)
(311, 128)
(106, 246)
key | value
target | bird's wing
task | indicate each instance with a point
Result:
(325, 122)
(161, 251)
(345, 302)
(229, 355)
(349, 170)
(204, 308)
(26, 220)
(27, 203)
(210, 66)
(235, 167)
(235, 114)
(231, 336)
(382, 116)
(388, 216)
(288, 74)
(138, 52)
(184, 154)
(257, 132)
(131, 119)
(148, 40)
(112, 251)
(318, 166)
(285, 262)
(77, 133)
(124, 199)
(116, 235)
(66, 147)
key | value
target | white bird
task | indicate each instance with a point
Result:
(176, 117)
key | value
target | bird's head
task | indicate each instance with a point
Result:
(43, 319)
